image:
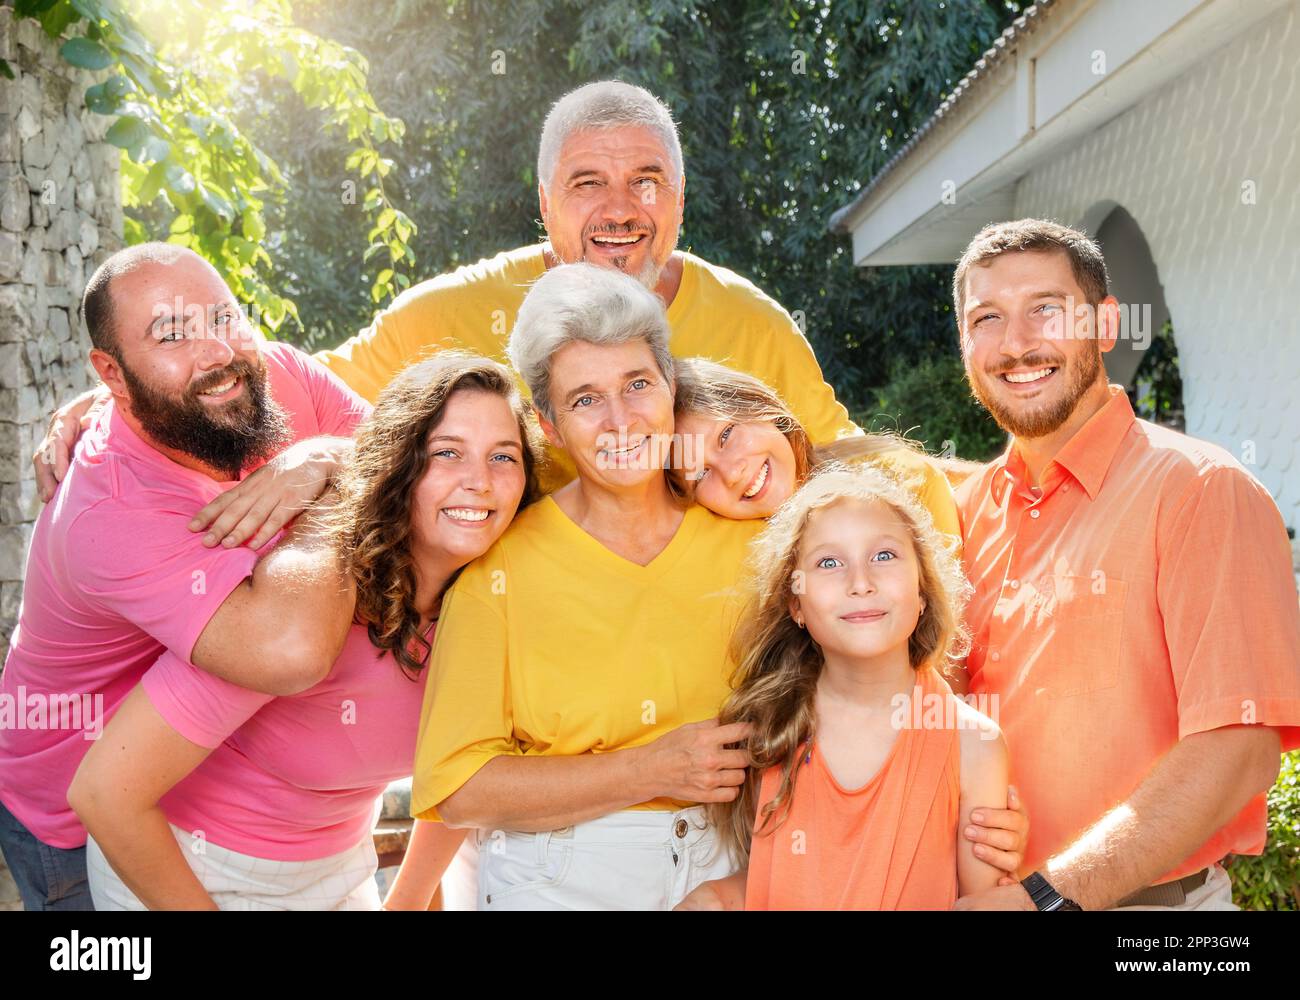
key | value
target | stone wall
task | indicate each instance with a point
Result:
(60, 216)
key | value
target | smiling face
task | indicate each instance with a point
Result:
(615, 200)
(188, 368)
(613, 412)
(860, 580)
(1028, 360)
(474, 479)
(740, 470)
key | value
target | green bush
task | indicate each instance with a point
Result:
(1271, 881)
(929, 401)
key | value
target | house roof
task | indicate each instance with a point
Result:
(1002, 47)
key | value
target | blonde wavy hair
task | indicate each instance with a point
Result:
(372, 524)
(708, 389)
(778, 663)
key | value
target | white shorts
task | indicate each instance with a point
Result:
(630, 860)
(1214, 894)
(235, 881)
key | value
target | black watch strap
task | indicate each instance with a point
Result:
(1044, 896)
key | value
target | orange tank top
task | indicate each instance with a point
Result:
(889, 845)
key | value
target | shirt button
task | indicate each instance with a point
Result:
(1015, 584)
(1065, 488)
(1034, 514)
(680, 828)
(995, 656)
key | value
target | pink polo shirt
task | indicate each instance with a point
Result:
(114, 577)
(293, 778)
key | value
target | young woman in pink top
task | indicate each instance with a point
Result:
(204, 795)
(865, 766)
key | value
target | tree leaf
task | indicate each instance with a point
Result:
(84, 53)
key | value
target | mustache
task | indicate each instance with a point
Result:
(1028, 361)
(619, 229)
(238, 367)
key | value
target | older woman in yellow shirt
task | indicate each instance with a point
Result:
(580, 662)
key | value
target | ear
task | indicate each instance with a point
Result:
(541, 200)
(1107, 323)
(681, 199)
(796, 611)
(552, 433)
(110, 372)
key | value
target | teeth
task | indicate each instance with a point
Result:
(616, 239)
(466, 514)
(624, 451)
(758, 483)
(1029, 376)
(218, 390)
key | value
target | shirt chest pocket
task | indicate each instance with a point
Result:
(1081, 635)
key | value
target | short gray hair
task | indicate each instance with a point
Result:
(607, 104)
(587, 303)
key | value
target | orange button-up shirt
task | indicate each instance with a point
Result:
(1143, 593)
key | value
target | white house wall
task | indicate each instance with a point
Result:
(1186, 163)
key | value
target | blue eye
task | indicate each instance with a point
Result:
(508, 458)
(445, 451)
(726, 433)
(885, 552)
(821, 563)
(582, 400)
(640, 383)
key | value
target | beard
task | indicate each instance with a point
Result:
(227, 438)
(1045, 418)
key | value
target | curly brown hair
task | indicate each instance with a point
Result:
(372, 524)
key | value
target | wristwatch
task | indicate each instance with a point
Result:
(1044, 896)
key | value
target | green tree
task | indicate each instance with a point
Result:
(190, 173)
(786, 109)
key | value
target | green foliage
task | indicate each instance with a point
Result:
(1271, 881)
(1160, 382)
(190, 172)
(929, 401)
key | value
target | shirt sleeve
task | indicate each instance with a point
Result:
(202, 708)
(775, 350)
(140, 562)
(368, 361)
(1228, 598)
(467, 718)
(338, 408)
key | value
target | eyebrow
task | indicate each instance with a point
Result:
(588, 387)
(875, 540)
(649, 168)
(506, 443)
(171, 317)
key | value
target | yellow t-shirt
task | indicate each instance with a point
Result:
(716, 314)
(551, 644)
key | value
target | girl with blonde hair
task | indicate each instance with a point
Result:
(740, 451)
(864, 765)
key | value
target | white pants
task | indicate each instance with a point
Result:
(1214, 894)
(630, 860)
(344, 881)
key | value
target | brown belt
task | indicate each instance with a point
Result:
(1167, 893)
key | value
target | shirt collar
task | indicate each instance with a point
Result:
(1087, 456)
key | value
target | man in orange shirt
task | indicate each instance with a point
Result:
(1134, 616)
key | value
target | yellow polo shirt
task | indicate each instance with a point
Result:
(551, 644)
(716, 314)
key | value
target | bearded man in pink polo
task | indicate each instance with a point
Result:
(197, 405)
